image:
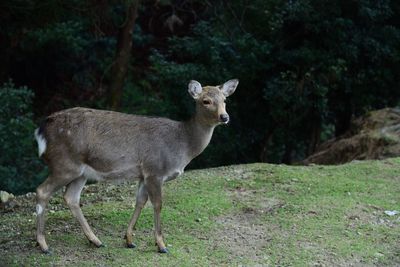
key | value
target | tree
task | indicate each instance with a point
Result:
(123, 55)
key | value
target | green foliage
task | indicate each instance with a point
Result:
(64, 35)
(58, 50)
(20, 168)
(62, 49)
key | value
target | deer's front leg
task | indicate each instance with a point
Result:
(154, 189)
(141, 199)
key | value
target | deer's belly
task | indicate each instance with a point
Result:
(172, 176)
(129, 172)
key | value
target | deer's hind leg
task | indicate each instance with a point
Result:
(72, 198)
(62, 172)
(43, 195)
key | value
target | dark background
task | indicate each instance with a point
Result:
(306, 68)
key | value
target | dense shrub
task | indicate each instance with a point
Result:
(20, 167)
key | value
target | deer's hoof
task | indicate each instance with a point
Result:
(130, 245)
(46, 251)
(163, 250)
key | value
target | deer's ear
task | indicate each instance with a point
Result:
(195, 89)
(229, 87)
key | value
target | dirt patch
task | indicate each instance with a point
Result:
(245, 234)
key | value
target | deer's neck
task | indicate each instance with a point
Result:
(199, 135)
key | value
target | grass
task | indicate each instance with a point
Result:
(257, 214)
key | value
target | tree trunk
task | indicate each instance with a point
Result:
(122, 56)
(265, 144)
(287, 156)
(315, 132)
(343, 119)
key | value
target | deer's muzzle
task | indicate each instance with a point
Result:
(224, 118)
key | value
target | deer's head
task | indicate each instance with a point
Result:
(210, 101)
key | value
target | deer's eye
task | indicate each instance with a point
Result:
(206, 102)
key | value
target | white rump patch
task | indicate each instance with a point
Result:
(41, 142)
(39, 209)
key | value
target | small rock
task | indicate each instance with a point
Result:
(12, 204)
(198, 220)
(391, 212)
(30, 194)
(4, 196)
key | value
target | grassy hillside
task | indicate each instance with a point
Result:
(229, 216)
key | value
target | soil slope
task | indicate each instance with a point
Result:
(373, 136)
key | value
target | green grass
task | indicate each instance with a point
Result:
(257, 214)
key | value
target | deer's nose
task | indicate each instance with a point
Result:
(224, 118)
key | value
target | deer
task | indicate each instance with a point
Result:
(81, 144)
